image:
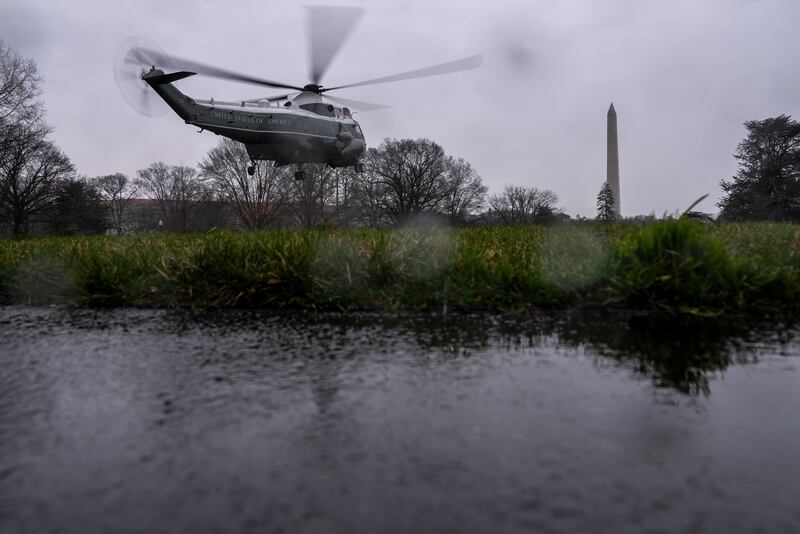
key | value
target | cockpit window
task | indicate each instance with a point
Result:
(358, 130)
(326, 110)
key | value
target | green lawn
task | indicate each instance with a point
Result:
(675, 265)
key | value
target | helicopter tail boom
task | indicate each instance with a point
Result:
(167, 78)
(162, 84)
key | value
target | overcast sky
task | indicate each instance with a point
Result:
(683, 76)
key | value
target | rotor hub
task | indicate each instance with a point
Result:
(313, 88)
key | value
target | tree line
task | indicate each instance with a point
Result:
(407, 182)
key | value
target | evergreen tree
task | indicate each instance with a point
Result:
(79, 209)
(767, 184)
(605, 204)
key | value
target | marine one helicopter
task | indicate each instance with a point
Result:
(299, 127)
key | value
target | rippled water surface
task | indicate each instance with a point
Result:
(155, 421)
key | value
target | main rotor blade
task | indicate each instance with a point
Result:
(468, 63)
(328, 28)
(160, 59)
(356, 104)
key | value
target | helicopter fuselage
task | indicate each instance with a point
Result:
(308, 131)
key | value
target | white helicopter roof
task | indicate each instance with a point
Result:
(267, 107)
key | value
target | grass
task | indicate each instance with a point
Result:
(675, 265)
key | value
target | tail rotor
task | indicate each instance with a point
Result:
(134, 57)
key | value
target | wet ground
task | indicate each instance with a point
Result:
(156, 421)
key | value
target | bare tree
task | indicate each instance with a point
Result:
(20, 88)
(465, 192)
(30, 165)
(412, 172)
(309, 200)
(175, 189)
(256, 199)
(117, 190)
(344, 206)
(30, 170)
(21, 110)
(369, 194)
(518, 205)
(209, 208)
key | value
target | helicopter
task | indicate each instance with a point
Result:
(306, 125)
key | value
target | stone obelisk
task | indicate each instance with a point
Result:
(612, 158)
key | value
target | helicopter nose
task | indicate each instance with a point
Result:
(356, 147)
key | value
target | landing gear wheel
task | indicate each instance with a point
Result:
(251, 170)
(360, 167)
(299, 175)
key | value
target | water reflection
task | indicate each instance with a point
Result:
(681, 353)
(677, 352)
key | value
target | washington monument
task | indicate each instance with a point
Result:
(612, 159)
